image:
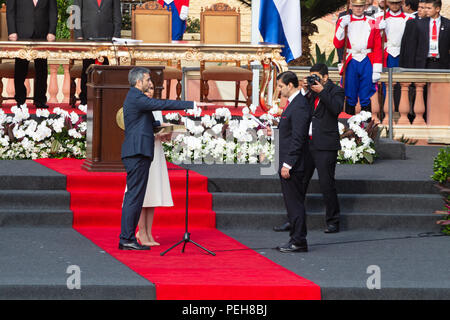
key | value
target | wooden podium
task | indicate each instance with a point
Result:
(107, 88)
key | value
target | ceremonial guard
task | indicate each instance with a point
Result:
(393, 23)
(362, 64)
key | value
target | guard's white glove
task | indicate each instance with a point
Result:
(345, 21)
(184, 13)
(376, 77)
(376, 73)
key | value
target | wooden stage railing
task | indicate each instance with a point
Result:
(422, 103)
(60, 52)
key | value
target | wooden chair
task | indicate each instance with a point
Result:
(220, 24)
(7, 68)
(152, 23)
(75, 73)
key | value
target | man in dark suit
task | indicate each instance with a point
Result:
(100, 19)
(31, 19)
(293, 133)
(137, 149)
(433, 39)
(410, 7)
(326, 101)
(407, 48)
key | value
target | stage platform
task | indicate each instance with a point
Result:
(386, 214)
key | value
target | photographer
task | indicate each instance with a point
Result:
(327, 101)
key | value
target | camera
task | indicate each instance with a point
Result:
(311, 80)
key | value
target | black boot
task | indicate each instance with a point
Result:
(367, 108)
(349, 109)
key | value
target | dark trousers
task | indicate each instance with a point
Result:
(40, 81)
(83, 87)
(325, 163)
(294, 197)
(137, 175)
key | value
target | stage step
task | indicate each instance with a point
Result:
(390, 194)
(35, 208)
(29, 175)
(266, 220)
(34, 199)
(271, 185)
(35, 265)
(379, 203)
(32, 195)
(35, 217)
(358, 211)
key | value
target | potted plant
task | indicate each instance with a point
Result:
(441, 169)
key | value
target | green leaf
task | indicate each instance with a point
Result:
(331, 58)
(368, 157)
(317, 52)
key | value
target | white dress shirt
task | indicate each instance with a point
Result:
(434, 45)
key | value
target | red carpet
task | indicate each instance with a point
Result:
(235, 273)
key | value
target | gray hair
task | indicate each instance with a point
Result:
(135, 74)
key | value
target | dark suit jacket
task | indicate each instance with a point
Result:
(139, 121)
(29, 21)
(293, 133)
(99, 22)
(423, 43)
(325, 131)
(407, 49)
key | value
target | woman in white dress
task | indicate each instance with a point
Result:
(158, 193)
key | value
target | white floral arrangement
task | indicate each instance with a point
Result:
(357, 145)
(219, 139)
(59, 136)
(215, 138)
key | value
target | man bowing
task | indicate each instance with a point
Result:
(293, 129)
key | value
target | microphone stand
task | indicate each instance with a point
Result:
(187, 235)
(115, 52)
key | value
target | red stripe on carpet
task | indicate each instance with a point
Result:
(235, 273)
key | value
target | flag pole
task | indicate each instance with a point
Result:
(255, 40)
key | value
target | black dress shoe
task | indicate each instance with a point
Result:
(285, 227)
(331, 228)
(293, 247)
(132, 246)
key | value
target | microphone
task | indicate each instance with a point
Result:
(126, 42)
(99, 39)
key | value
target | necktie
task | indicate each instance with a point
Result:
(434, 31)
(316, 103)
(99, 2)
(434, 35)
(35, 2)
